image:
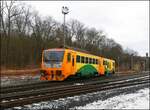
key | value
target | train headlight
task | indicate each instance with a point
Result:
(58, 65)
(42, 73)
(47, 65)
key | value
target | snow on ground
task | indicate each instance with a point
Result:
(121, 98)
(16, 80)
(138, 100)
(78, 83)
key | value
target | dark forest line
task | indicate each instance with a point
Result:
(25, 34)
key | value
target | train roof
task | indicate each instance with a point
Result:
(108, 59)
(75, 49)
(55, 49)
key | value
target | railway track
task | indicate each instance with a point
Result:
(44, 84)
(23, 94)
(32, 96)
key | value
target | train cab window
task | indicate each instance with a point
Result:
(69, 57)
(94, 61)
(78, 59)
(86, 60)
(90, 60)
(82, 59)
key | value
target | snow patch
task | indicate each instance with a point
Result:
(17, 80)
(18, 108)
(120, 98)
(79, 84)
(139, 100)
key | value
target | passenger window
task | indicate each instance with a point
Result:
(82, 59)
(78, 59)
(86, 61)
(93, 61)
(69, 57)
(96, 61)
(90, 60)
(104, 62)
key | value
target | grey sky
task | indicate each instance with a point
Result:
(127, 22)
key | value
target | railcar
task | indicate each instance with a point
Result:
(60, 63)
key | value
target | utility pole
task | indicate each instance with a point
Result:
(146, 61)
(118, 63)
(131, 62)
(65, 11)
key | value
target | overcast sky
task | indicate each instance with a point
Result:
(127, 22)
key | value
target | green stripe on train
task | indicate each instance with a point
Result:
(87, 70)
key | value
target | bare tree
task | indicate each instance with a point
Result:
(22, 21)
(78, 31)
(91, 36)
(8, 13)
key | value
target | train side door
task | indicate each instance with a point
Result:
(73, 65)
(68, 62)
(101, 66)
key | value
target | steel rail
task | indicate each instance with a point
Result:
(62, 94)
(72, 91)
(25, 87)
(52, 89)
(37, 91)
